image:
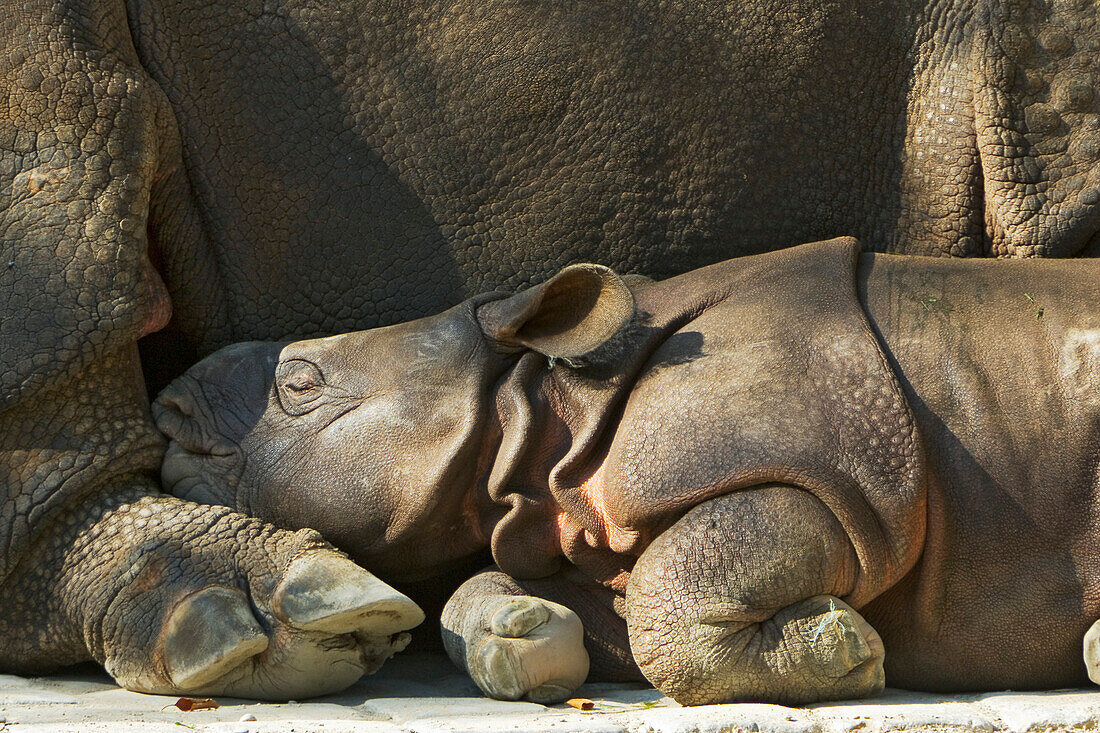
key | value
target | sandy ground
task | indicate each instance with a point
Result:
(423, 692)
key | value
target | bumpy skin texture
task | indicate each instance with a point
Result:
(197, 599)
(712, 602)
(278, 169)
(170, 596)
(753, 477)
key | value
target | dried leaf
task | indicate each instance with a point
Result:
(196, 703)
(580, 703)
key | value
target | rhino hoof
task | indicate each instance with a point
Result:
(535, 650)
(549, 694)
(843, 645)
(1092, 652)
(519, 618)
(327, 592)
(207, 634)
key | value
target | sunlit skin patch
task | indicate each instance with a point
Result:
(1080, 360)
(608, 534)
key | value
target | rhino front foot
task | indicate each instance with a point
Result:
(1092, 652)
(738, 601)
(328, 622)
(178, 598)
(817, 649)
(518, 647)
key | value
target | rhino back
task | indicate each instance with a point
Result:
(1001, 364)
(355, 164)
(366, 163)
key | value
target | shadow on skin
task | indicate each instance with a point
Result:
(346, 242)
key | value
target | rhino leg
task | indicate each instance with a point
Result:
(739, 600)
(536, 639)
(177, 598)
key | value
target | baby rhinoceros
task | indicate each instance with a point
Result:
(787, 477)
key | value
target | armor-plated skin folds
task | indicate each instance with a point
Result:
(786, 477)
(196, 176)
(169, 596)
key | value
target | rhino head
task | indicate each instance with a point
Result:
(379, 439)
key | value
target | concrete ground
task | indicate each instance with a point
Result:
(423, 692)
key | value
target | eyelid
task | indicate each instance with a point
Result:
(299, 402)
(306, 381)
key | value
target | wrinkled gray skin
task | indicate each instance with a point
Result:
(754, 481)
(271, 169)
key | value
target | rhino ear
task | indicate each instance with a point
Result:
(205, 414)
(567, 316)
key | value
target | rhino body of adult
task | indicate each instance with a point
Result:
(752, 481)
(274, 169)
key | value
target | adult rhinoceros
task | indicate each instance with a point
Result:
(276, 169)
